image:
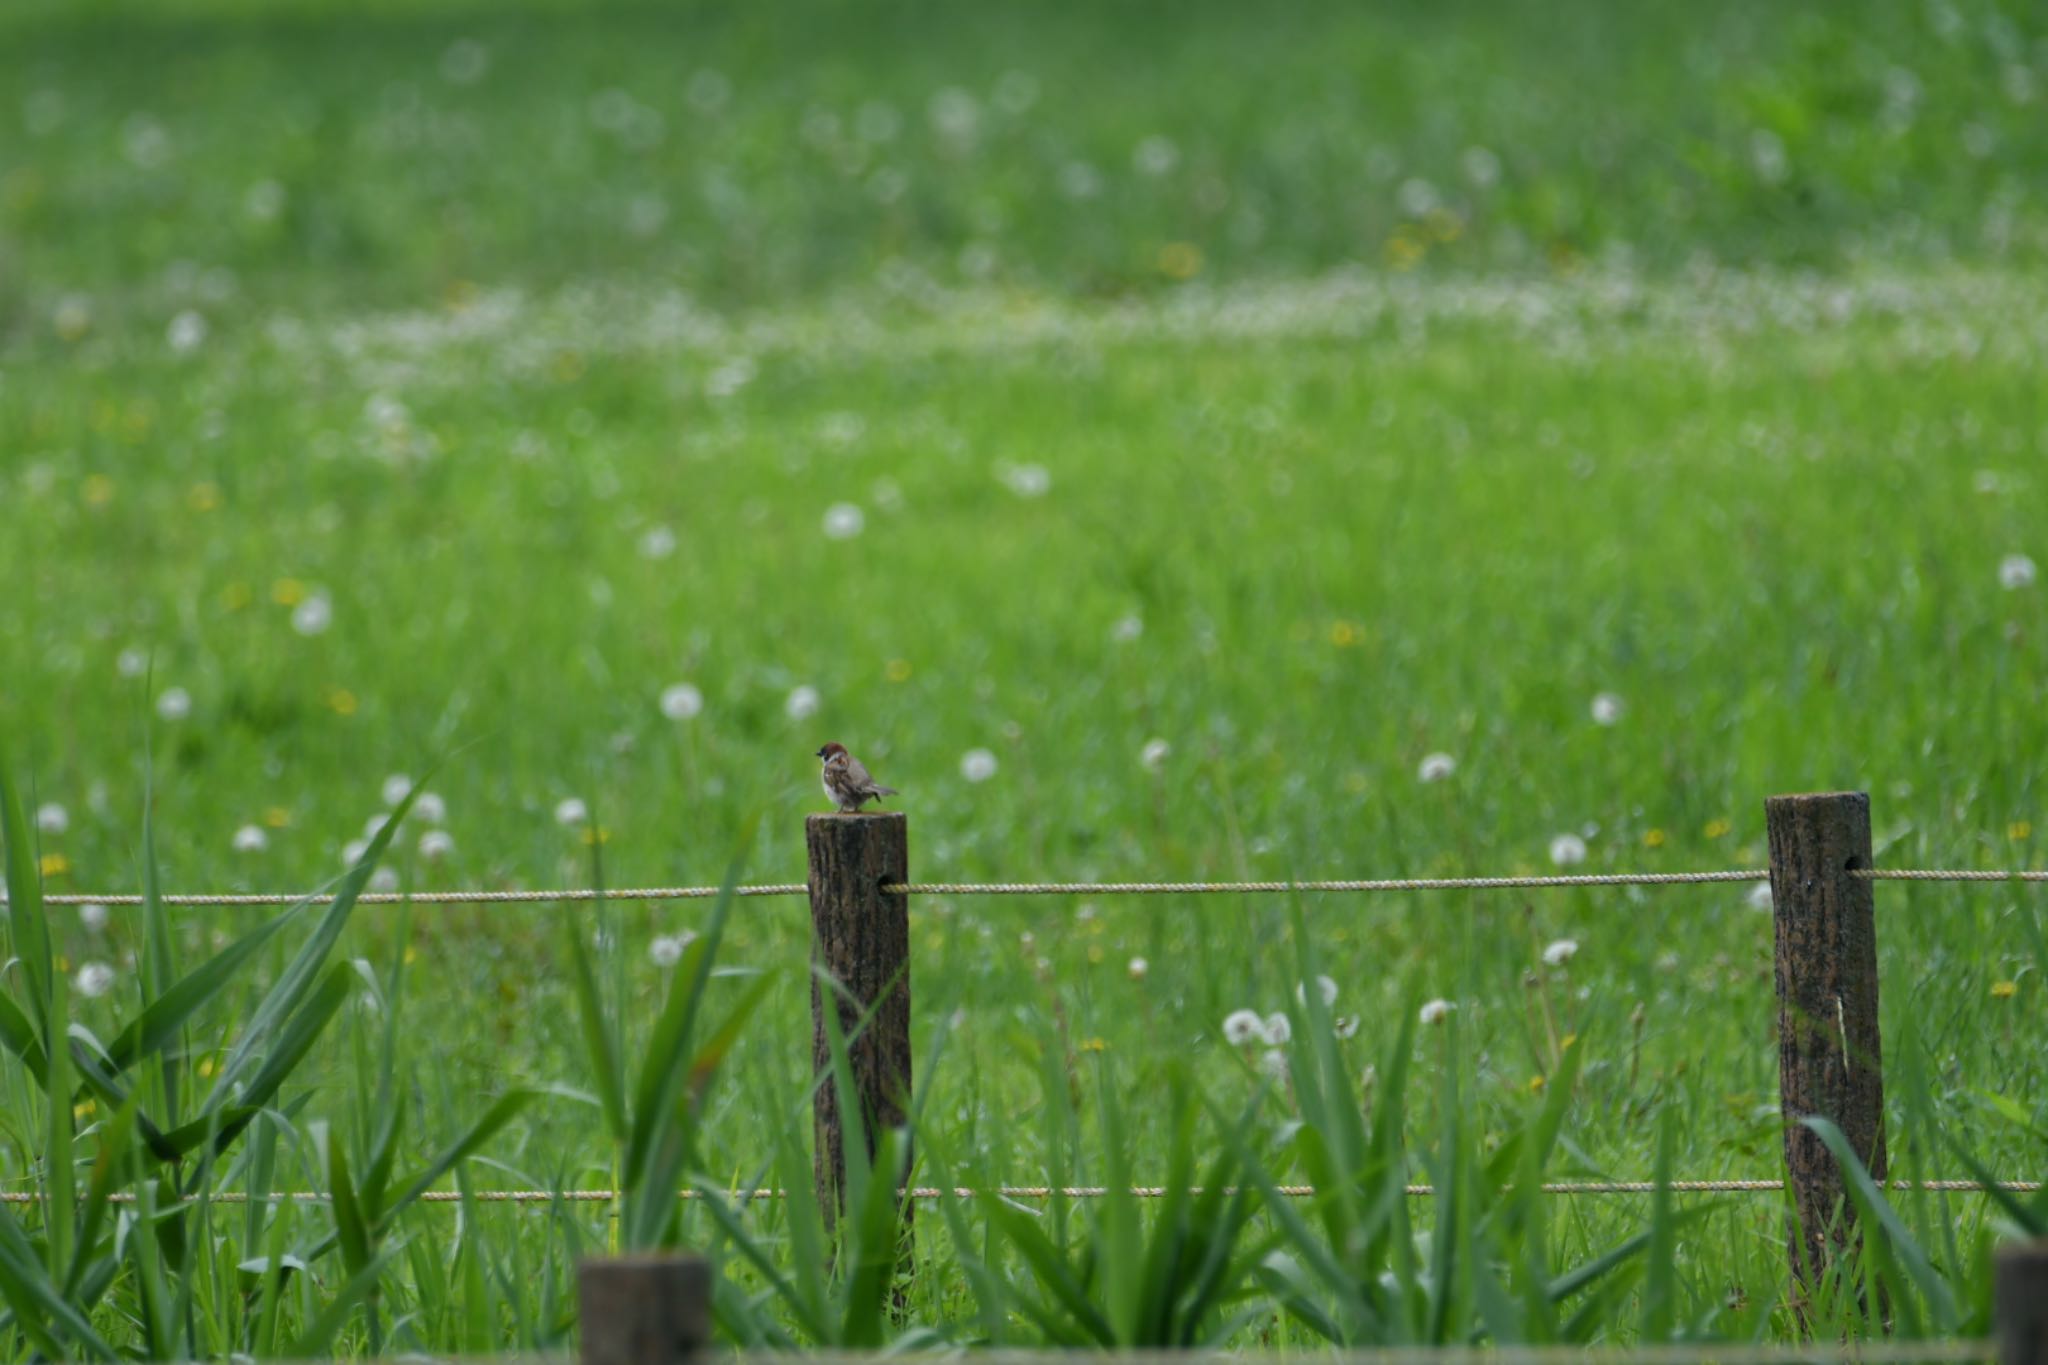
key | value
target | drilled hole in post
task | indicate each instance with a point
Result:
(1855, 864)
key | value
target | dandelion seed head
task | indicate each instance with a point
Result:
(571, 810)
(1273, 1062)
(93, 916)
(1241, 1027)
(131, 663)
(1279, 1031)
(1345, 1026)
(1759, 897)
(1436, 767)
(1606, 708)
(314, 615)
(250, 839)
(1567, 850)
(1561, 952)
(1436, 1011)
(1153, 755)
(94, 979)
(977, 765)
(187, 332)
(52, 818)
(174, 703)
(2016, 572)
(436, 844)
(666, 950)
(657, 542)
(384, 879)
(429, 807)
(1127, 629)
(802, 702)
(1325, 987)
(1026, 480)
(352, 852)
(681, 701)
(1138, 967)
(394, 789)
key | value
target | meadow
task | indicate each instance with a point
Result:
(1165, 442)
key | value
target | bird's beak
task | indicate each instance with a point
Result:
(819, 754)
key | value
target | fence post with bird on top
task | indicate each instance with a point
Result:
(1830, 1059)
(860, 939)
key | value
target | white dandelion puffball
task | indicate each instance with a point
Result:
(383, 879)
(186, 332)
(1241, 1027)
(174, 703)
(657, 542)
(1345, 1027)
(52, 818)
(666, 950)
(1436, 767)
(1759, 897)
(1026, 480)
(977, 765)
(570, 810)
(95, 979)
(681, 701)
(131, 663)
(1127, 629)
(394, 789)
(313, 615)
(1567, 850)
(429, 807)
(2016, 572)
(93, 916)
(1325, 987)
(802, 702)
(1273, 1063)
(1606, 708)
(1279, 1031)
(1436, 1011)
(1561, 952)
(1138, 968)
(375, 824)
(1154, 753)
(352, 852)
(251, 839)
(843, 521)
(436, 844)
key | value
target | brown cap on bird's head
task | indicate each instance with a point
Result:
(831, 749)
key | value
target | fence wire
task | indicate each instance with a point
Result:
(1368, 884)
(1566, 1188)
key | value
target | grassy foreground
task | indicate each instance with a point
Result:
(349, 435)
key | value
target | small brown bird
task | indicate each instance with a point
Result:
(847, 781)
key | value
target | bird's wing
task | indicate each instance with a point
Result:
(857, 775)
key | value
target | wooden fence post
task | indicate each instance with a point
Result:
(644, 1310)
(860, 936)
(2019, 1304)
(1830, 1061)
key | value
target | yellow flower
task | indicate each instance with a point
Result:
(1654, 839)
(1094, 1045)
(207, 1066)
(2019, 829)
(277, 817)
(1344, 634)
(1180, 260)
(287, 592)
(1405, 251)
(1570, 1039)
(1536, 1084)
(54, 864)
(1095, 952)
(203, 497)
(235, 595)
(1443, 225)
(2004, 990)
(412, 955)
(99, 490)
(342, 701)
(897, 670)
(596, 834)
(1716, 828)
(84, 1109)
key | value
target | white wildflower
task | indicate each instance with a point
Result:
(1481, 167)
(802, 702)
(843, 521)
(1566, 850)
(1241, 1027)
(1025, 480)
(657, 542)
(1345, 1026)
(1156, 155)
(1606, 708)
(264, 200)
(395, 788)
(570, 810)
(1325, 987)
(174, 703)
(1127, 629)
(313, 615)
(681, 701)
(977, 765)
(1759, 897)
(1273, 1062)
(1436, 1011)
(666, 950)
(186, 332)
(251, 839)
(2016, 572)
(1279, 1031)
(93, 916)
(383, 879)
(352, 852)
(131, 663)
(52, 818)
(1436, 767)
(1154, 753)
(375, 824)
(95, 979)
(1138, 968)
(436, 844)
(429, 807)
(1561, 952)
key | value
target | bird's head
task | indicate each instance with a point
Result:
(830, 751)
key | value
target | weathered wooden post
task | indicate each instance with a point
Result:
(644, 1310)
(1830, 1061)
(2019, 1304)
(861, 937)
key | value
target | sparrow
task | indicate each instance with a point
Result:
(847, 782)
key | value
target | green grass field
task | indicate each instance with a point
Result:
(1145, 435)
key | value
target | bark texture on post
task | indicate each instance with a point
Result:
(2019, 1304)
(862, 938)
(1830, 1061)
(644, 1310)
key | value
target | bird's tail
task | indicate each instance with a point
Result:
(881, 790)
